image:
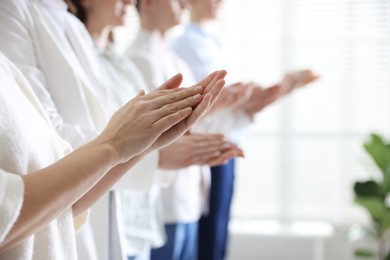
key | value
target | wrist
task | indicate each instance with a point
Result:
(108, 151)
(248, 111)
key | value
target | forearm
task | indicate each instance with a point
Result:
(52, 190)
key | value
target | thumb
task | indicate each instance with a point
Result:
(141, 93)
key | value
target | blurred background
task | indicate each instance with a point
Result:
(294, 190)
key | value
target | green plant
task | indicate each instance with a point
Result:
(373, 195)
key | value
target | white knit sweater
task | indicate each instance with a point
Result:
(28, 143)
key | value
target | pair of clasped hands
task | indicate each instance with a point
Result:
(163, 117)
(252, 98)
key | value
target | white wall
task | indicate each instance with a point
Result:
(261, 247)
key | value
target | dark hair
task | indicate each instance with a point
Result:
(137, 6)
(79, 10)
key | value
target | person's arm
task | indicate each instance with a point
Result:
(83, 176)
(48, 192)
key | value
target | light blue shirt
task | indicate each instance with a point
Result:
(200, 50)
(204, 54)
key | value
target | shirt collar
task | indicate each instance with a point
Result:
(57, 9)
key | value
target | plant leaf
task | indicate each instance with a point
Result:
(385, 222)
(365, 253)
(380, 153)
(374, 205)
(367, 189)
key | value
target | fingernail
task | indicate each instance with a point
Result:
(197, 97)
(198, 88)
(217, 153)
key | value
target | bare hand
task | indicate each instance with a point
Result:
(261, 98)
(232, 96)
(212, 86)
(139, 123)
(197, 149)
(297, 79)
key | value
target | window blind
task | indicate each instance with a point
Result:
(304, 153)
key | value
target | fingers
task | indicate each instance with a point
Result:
(205, 82)
(177, 106)
(171, 120)
(199, 111)
(179, 129)
(270, 95)
(172, 83)
(207, 138)
(218, 151)
(211, 86)
(158, 99)
(225, 157)
(306, 77)
(261, 98)
(215, 83)
(212, 148)
(274, 90)
(298, 79)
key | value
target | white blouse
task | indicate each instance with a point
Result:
(135, 224)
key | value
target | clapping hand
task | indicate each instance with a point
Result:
(198, 149)
(297, 79)
(154, 120)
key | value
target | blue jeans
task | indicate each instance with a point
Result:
(182, 243)
(213, 228)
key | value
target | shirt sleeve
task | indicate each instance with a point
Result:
(11, 201)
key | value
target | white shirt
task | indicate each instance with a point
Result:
(183, 199)
(28, 143)
(136, 225)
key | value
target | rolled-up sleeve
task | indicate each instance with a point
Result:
(11, 201)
